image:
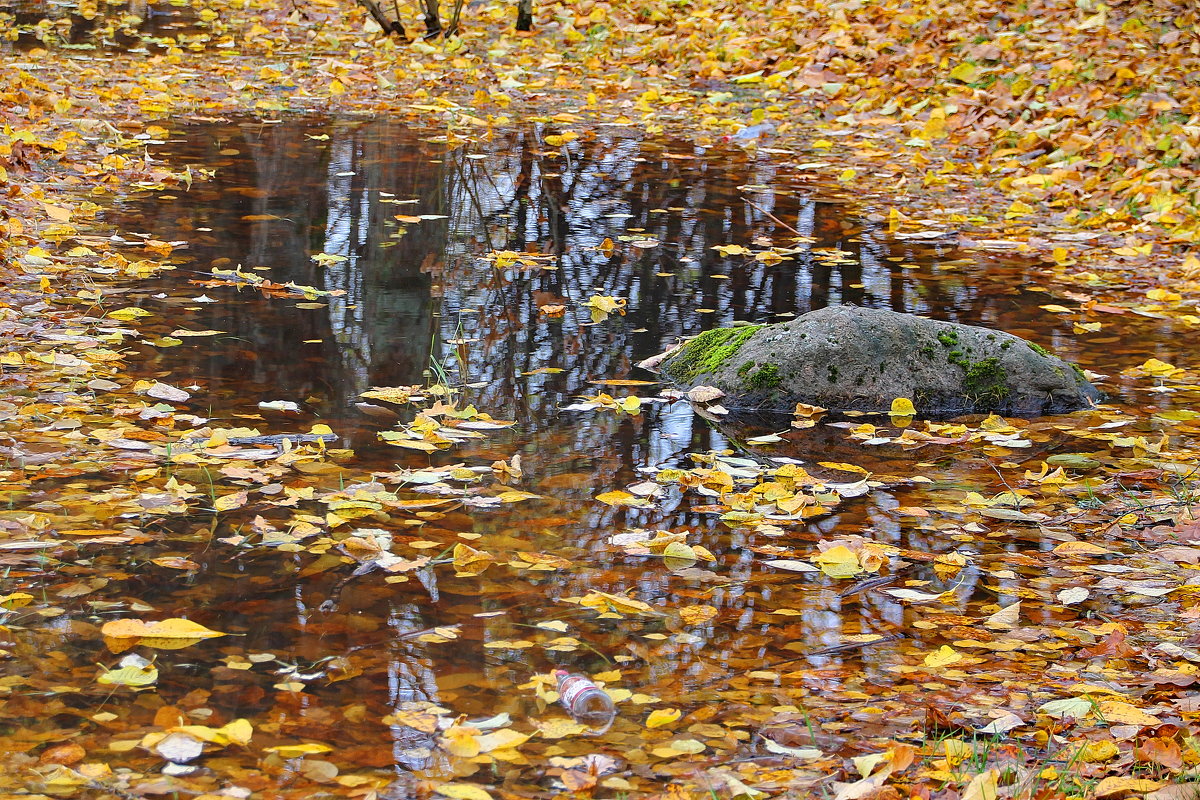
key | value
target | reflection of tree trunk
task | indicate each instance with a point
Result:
(524, 15)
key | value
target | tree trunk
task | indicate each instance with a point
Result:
(433, 23)
(524, 15)
(388, 24)
(452, 28)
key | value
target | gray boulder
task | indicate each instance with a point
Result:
(846, 358)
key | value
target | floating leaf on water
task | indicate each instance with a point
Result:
(299, 750)
(1081, 549)
(943, 656)
(560, 728)
(620, 498)
(661, 717)
(838, 562)
(15, 600)
(287, 406)
(163, 391)
(912, 595)
(463, 791)
(1004, 619)
(179, 748)
(168, 634)
(791, 565)
(133, 671)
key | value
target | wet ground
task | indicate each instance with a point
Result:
(402, 223)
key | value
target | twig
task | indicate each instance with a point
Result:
(762, 210)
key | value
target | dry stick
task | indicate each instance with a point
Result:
(1000, 475)
(762, 210)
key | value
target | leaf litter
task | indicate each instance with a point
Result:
(1051, 647)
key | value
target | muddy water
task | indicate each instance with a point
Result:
(411, 297)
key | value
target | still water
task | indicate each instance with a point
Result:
(404, 222)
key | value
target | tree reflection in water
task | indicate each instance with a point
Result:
(411, 291)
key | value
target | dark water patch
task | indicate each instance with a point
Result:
(136, 26)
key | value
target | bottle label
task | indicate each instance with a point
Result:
(573, 688)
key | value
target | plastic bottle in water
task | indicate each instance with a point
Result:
(584, 700)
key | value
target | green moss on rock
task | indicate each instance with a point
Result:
(986, 380)
(706, 353)
(766, 378)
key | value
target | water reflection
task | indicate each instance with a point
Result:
(133, 26)
(407, 289)
(402, 222)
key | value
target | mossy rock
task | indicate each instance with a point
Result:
(847, 358)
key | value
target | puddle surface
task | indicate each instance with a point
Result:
(133, 27)
(411, 295)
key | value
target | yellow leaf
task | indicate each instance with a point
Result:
(299, 750)
(679, 550)
(560, 728)
(661, 717)
(463, 791)
(238, 732)
(468, 559)
(167, 635)
(515, 496)
(696, 615)
(1119, 712)
(1080, 549)
(1121, 786)
(15, 600)
(1018, 209)
(603, 601)
(504, 739)
(231, 501)
(460, 741)
(128, 313)
(984, 786)
(619, 498)
(1152, 367)
(559, 139)
(943, 656)
(129, 676)
(838, 562)
(843, 467)
(1095, 752)
(964, 72)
